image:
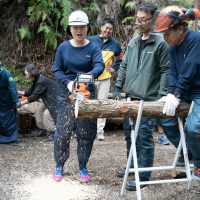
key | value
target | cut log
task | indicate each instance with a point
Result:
(111, 108)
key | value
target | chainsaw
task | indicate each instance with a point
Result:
(81, 87)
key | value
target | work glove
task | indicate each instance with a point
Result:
(117, 94)
(170, 105)
(162, 99)
(70, 86)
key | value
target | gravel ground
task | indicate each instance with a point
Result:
(26, 172)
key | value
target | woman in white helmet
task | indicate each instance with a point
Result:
(74, 56)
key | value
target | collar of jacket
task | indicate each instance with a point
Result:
(151, 39)
(109, 39)
(36, 79)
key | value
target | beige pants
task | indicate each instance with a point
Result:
(29, 108)
(43, 118)
(103, 88)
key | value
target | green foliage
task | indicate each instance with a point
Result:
(185, 3)
(18, 76)
(24, 33)
(66, 8)
(130, 5)
(46, 16)
(92, 9)
(49, 35)
(128, 19)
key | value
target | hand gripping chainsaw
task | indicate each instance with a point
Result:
(81, 87)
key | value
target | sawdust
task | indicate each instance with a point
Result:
(26, 172)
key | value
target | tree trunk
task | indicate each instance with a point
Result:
(111, 108)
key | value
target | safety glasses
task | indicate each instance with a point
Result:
(142, 20)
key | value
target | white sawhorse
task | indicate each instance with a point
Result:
(133, 155)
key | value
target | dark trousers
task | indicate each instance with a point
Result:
(8, 126)
(145, 143)
(66, 123)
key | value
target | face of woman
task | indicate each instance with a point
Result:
(79, 32)
(27, 75)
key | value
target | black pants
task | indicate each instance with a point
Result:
(66, 123)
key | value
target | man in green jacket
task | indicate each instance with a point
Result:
(143, 73)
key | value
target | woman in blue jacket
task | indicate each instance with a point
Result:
(77, 55)
(9, 102)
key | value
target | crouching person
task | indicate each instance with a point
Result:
(43, 88)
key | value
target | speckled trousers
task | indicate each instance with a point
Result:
(66, 123)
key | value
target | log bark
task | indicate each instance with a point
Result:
(111, 108)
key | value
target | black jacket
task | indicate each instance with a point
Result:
(45, 88)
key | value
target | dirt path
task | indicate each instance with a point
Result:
(26, 169)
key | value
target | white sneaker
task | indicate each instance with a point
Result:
(100, 136)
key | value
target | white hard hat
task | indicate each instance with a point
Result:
(78, 18)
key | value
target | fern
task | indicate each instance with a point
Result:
(185, 3)
(130, 5)
(24, 33)
(18, 76)
(46, 16)
(66, 8)
(127, 19)
(94, 7)
(49, 35)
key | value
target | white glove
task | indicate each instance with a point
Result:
(170, 105)
(162, 99)
(70, 86)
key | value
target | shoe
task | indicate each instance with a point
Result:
(196, 174)
(131, 186)
(84, 175)
(51, 138)
(162, 139)
(100, 136)
(121, 173)
(58, 175)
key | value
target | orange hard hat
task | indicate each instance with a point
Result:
(171, 16)
(166, 18)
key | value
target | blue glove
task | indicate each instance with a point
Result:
(117, 94)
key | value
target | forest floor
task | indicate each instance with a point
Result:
(26, 169)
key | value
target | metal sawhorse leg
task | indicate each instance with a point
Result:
(133, 155)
